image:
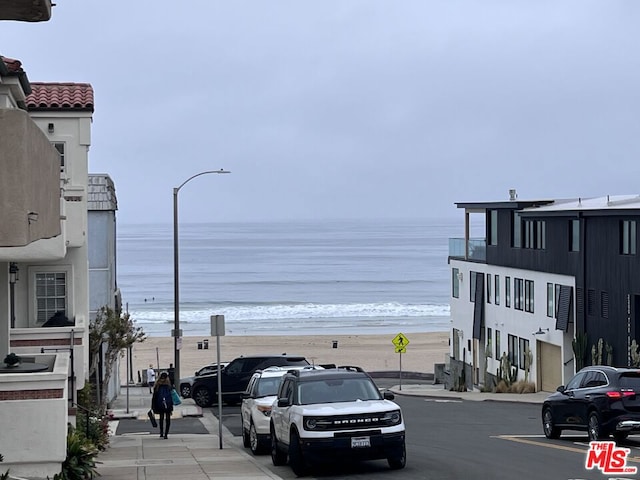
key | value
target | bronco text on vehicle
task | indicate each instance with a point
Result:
(322, 414)
(235, 377)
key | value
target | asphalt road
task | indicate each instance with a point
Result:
(451, 439)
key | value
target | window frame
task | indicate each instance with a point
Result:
(574, 235)
(496, 289)
(628, 237)
(455, 282)
(518, 293)
(32, 272)
(507, 291)
(529, 296)
(493, 227)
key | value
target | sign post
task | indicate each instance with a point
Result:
(400, 342)
(217, 329)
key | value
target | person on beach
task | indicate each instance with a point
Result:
(162, 403)
(151, 377)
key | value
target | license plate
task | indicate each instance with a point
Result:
(360, 442)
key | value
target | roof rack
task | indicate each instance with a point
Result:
(350, 368)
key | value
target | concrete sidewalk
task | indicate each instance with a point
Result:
(194, 456)
(439, 392)
(199, 457)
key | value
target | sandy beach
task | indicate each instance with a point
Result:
(371, 352)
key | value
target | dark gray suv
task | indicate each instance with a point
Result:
(235, 377)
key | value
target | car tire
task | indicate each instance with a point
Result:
(255, 442)
(278, 457)
(550, 430)
(296, 459)
(185, 391)
(620, 436)
(202, 397)
(594, 429)
(398, 459)
(245, 435)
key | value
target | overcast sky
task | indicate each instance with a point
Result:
(347, 108)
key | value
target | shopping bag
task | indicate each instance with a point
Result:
(175, 397)
(152, 417)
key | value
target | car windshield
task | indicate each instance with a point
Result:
(337, 390)
(268, 386)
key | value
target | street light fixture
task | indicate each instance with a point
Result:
(177, 332)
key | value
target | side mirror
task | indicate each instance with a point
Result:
(387, 395)
(561, 389)
(283, 402)
(245, 395)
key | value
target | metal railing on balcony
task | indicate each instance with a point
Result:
(477, 249)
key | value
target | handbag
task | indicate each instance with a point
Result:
(175, 397)
(152, 417)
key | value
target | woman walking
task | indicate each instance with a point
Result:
(162, 403)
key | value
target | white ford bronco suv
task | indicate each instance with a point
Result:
(322, 415)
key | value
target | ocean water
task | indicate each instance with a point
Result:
(290, 278)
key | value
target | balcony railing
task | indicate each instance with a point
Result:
(477, 249)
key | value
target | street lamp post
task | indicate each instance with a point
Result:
(177, 332)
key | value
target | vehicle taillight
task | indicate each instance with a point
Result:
(620, 394)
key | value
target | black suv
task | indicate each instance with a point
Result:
(235, 377)
(601, 400)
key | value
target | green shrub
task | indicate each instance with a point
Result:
(80, 463)
(97, 430)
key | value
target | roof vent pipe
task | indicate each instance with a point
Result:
(513, 195)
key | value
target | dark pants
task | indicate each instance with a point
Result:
(165, 423)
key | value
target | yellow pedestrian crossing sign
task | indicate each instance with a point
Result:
(401, 349)
(400, 341)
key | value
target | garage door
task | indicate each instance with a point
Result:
(550, 366)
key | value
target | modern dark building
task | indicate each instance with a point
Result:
(547, 275)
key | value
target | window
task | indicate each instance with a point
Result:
(489, 346)
(604, 304)
(455, 283)
(51, 295)
(472, 286)
(574, 235)
(488, 288)
(493, 227)
(518, 294)
(535, 234)
(528, 296)
(628, 237)
(498, 354)
(497, 289)
(507, 292)
(594, 379)
(516, 233)
(60, 148)
(513, 349)
(551, 295)
(541, 234)
(523, 349)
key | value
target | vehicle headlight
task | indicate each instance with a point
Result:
(316, 423)
(392, 418)
(265, 410)
(310, 423)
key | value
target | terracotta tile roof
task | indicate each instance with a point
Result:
(14, 66)
(60, 97)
